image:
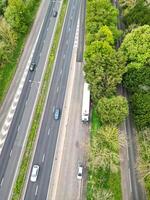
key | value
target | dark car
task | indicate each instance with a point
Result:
(32, 66)
(57, 114)
(54, 13)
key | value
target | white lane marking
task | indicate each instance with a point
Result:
(10, 153)
(26, 101)
(67, 42)
(129, 174)
(64, 56)
(36, 190)
(69, 29)
(61, 72)
(53, 108)
(48, 131)
(18, 128)
(2, 181)
(57, 89)
(43, 158)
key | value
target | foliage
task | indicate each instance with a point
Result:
(103, 165)
(138, 14)
(141, 109)
(17, 15)
(134, 81)
(103, 69)
(144, 158)
(8, 39)
(112, 110)
(100, 13)
(136, 47)
(105, 148)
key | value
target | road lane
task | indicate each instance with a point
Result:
(9, 171)
(46, 143)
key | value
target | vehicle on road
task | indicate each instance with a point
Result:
(34, 173)
(57, 114)
(32, 66)
(80, 172)
(54, 13)
(85, 103)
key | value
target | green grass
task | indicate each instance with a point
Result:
(102, 179)
(18, 188)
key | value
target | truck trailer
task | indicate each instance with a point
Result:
(85, 103)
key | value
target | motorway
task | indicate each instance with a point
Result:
(21, 121)
(49, 128)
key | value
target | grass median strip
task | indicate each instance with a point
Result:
(18, 187)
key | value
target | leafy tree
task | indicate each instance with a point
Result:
(138, 80)
(17, 15)
(7, 41)
(141, 109)
(100, 13)
(138, 14)
(112, 110)
(103, 69)
(136, 47)
(7, 34)
(104, 34)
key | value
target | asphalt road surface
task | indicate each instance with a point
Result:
(68, 186)
(18, 129)
(49, 128)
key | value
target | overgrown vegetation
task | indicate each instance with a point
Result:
(19, 185)
(103, 164)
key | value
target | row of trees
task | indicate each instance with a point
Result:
(136, 48)
(104, 68)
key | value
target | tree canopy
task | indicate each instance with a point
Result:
(17, 15)
(103, 69)
(136, 47)
(112, 110)
(141, 109)
(100, 13)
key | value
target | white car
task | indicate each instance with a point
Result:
(34, 173)
(80, 172)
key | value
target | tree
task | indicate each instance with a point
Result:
(136, 47)
(7, 41)
(17, 15)
(138, 14)
(7, 35)
(103, 69)
(104, 34)
(141, 109)
(112, 110)
(100, 13)
(138, 80)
